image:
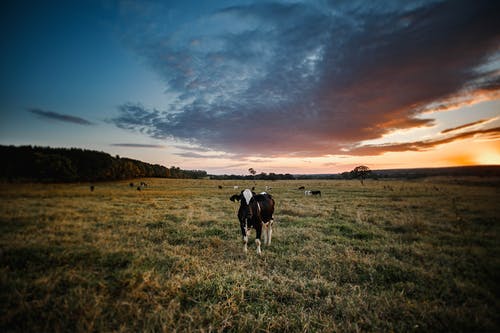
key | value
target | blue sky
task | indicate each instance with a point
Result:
(280, 86)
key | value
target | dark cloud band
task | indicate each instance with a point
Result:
(136, 145)
(59, 117)
(479, 122)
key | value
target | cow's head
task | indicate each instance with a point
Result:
(244, 198)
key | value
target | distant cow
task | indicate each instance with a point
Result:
(256, 211)
(307, 192)
(220, 187)
(131, 184)
(144, 184)
(92, 188)
(302, 188)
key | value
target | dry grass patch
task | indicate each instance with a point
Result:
(387, 256)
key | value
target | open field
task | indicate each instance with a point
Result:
(387, 256)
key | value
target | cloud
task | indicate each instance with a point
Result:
(308, 79)
(59, 116)
(136, 145)
(194, 149)
(463, 99)
(370, 150)
(479, 122)
(196, 155)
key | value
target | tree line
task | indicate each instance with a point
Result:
(255, 176)
(45, 164)
(361, 172)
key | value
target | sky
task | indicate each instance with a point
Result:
(282, 86)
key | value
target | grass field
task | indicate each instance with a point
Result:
(387, 256)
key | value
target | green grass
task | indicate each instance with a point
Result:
(386, 256)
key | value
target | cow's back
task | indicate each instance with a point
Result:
(266, 203)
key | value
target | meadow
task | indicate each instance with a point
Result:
(388, 256)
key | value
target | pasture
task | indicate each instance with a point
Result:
(397, 256)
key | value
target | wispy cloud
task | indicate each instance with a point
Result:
(195, 149)
(475, 123)
(136, 145)
(490, 133)
(310, 78)
(51, 115)
(190, 154)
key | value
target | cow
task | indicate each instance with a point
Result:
(302, 188)
(256, 211)
(308, 192)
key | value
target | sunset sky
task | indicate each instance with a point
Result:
(280, 86)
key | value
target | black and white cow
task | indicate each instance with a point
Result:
(309, 192)
(256, 211)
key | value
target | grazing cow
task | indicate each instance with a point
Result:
(144, 184)
(256, 211)
(220, 187)
(236, 187)
(316, 193)
(307, 192)
(302, 188)
(138, 188)
(131, 184)
(91, 188)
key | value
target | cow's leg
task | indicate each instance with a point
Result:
(258, 231)
(270, 232)
(245, 242)
(244, 233)
(265, 227)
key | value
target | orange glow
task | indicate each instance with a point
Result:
(490, 154)
(464, 159)
(470, 150)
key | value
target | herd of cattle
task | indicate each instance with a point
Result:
(255, 212)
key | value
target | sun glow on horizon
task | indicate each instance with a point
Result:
(462, 153)
(489, 156)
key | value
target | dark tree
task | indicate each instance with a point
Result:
(361, 172)
(252, 172)
(44, 164)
